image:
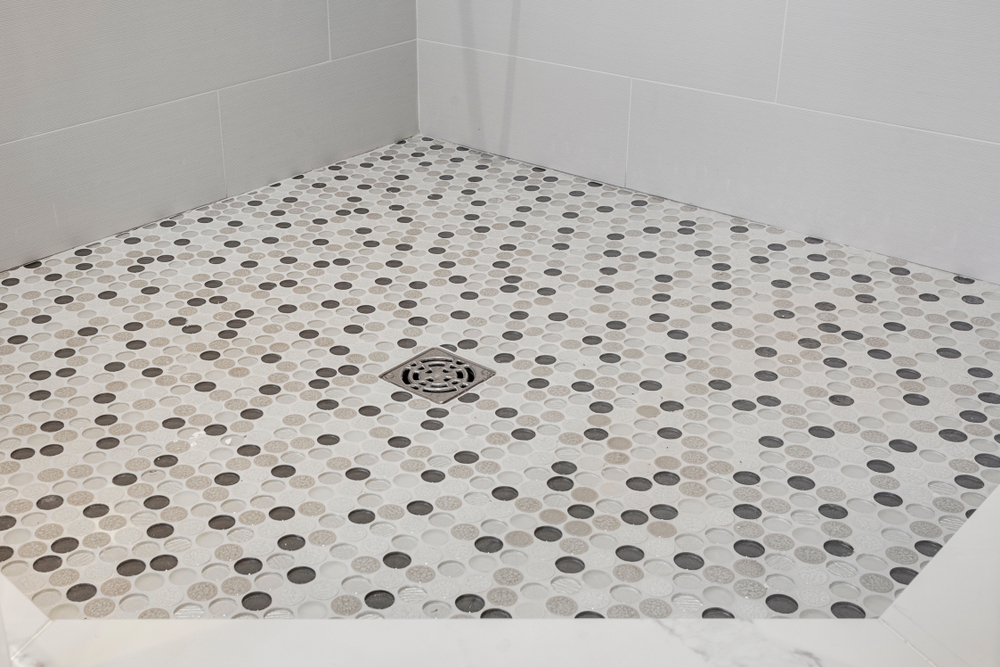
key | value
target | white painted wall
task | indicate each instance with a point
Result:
(114, 113)
(874, 123)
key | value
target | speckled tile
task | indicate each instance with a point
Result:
(692, 415)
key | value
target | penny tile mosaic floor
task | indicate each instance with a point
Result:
(654, 411)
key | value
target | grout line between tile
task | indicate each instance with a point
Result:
(222, 143)
(205, 92)
(329, 33)
(628, 130)
(416, 32)
(335, 60)
(117, 115)
(416, 47)
(738, 97)
(781, 51)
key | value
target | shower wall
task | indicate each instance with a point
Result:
(868, 122)
(119, 112)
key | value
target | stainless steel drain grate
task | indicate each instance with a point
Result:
(437, 375)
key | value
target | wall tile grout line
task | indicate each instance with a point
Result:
(628, 129)
(329, 33)
(335, 60)
(117, 115)
(416, 32)
(206, 92)
(222, 143)
(738, 97)
(781, 51)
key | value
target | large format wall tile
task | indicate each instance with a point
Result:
(562, 117)
(64, 62)
(921, 63)
(362, 26)
(729, 46)
(923, 196)
(293, 122)
(75, 185)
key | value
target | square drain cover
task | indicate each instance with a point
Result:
(437, 375)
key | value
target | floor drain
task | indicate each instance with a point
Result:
(437, 375)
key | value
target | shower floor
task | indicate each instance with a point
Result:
(689, 415)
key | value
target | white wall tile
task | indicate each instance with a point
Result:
(370, 24)
(931, 64)
(729, 46)
(64, 62)
(561, 117)
(76, 185)
(922, 196)
(297, 121)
